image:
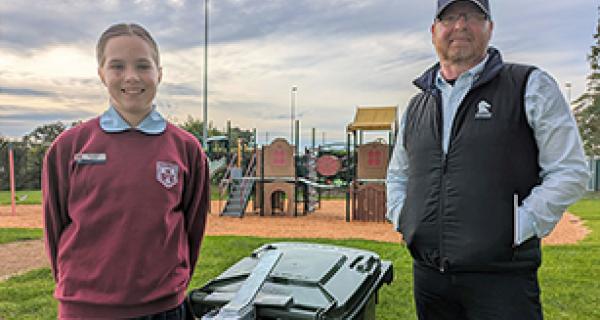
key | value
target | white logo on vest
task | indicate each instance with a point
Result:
(167, 173)
(483, 110)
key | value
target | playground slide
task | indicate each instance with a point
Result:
(318, 185)
(216, 165)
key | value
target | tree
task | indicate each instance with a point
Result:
(37, 143)
(195, 127)
(28, 156)
(587, 106)
(44, 134)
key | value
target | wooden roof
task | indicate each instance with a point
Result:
(374, 118)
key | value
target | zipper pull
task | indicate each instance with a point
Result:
(443, 265)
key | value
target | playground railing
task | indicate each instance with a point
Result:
(245, 182)
(224, 184)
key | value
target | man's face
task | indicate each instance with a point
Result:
(461, 34)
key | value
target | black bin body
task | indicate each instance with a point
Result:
(310, 281)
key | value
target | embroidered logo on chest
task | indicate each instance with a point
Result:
(167, 173)
(483, 110)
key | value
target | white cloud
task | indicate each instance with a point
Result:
(340, 53)
(176, 3)
(54, 62)
(251, 80)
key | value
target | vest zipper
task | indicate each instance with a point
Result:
(443, 260)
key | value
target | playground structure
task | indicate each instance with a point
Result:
(218, 151)
(276, 161)
(271, 176)
(367, 189)
(283, 181)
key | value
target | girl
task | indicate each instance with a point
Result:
(125, 196)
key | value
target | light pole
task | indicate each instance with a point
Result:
(205, 109)
(568, 86)
(293, 113)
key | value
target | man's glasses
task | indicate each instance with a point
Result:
(470, 17)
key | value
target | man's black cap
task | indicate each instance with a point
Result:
(484, 5)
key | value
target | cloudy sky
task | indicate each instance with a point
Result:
(339, 53)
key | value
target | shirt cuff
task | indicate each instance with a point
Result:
(526, 226)
(394, 218)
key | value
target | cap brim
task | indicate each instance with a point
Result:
(440, 10)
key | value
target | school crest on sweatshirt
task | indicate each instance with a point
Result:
(167, 173)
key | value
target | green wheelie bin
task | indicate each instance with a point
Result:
(292, 280)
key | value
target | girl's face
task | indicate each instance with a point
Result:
(131, 76)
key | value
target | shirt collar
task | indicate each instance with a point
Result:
(112, 122)
(473, 73)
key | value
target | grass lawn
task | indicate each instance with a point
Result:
(570, 274)
(568, 277)
(26, 196)
(19, 234)
(30, 296)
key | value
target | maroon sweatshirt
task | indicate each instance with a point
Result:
(124, 216)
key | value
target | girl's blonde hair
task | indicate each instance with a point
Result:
(125, 29)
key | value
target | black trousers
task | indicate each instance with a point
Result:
(476, 296)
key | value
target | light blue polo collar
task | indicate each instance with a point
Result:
(472, 73)
(112, 122)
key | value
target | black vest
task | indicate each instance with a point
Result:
(459, 212)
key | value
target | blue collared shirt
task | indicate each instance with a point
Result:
(564, 171)
(452, 96)
(111, 121)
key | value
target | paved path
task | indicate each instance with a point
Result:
(20, 257)
(328, 222)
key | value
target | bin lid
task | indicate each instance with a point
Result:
(310, 281)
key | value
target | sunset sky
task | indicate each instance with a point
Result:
(339, 53)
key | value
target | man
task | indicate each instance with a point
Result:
(487, 159)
